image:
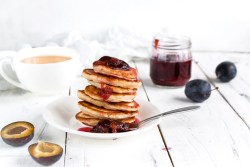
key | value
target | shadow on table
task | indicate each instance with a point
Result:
(214, 80)
(183, 99)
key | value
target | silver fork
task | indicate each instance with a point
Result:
(138, 125)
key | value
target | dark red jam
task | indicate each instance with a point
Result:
(166, 149)
(85, 129)
(135, 104)
(168, 73)
(136, 121)
(156, 43)
(113, 63)
(108, 126)
(105, 92)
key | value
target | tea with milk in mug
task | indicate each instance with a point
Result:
(45, 59)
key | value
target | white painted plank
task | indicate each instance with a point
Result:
(211, 136)
(75, 147)
(237, 91)
(145, 150)
(142, 150)
(18, 105)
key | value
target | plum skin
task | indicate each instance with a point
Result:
(19, 141)
(226, 71)
(47, 161)
(198, 90)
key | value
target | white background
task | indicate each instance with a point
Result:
(217, 25)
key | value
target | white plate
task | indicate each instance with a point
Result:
(61, 114)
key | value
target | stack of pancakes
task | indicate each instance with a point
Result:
(111, 93)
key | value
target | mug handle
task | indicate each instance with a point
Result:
(9, 60)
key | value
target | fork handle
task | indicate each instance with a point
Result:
(168, 113)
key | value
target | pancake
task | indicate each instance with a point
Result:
(89, 74)
(102, 113)
(92, 121)
(125, 106)
(114, 67)
(86, 119)
(114, 88)
(108, 95)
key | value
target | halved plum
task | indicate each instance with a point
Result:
(17, 133)
(45, 153)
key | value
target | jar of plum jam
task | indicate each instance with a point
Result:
(170, 63)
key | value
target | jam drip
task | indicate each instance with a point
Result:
(108, 126)
(156, 42)
(85, 129)
(136, 121)
(105, 92)
(113, 63)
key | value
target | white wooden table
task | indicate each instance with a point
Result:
(217, 135)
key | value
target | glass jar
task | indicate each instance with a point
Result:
(170, 63)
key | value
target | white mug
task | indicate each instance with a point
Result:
(48, 78)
